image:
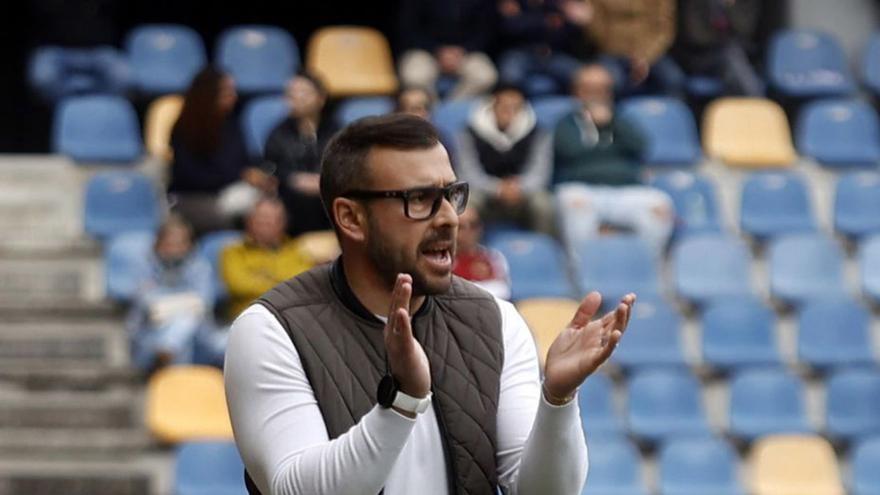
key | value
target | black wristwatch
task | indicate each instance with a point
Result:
(388, 394)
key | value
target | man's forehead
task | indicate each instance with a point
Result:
(394, 168)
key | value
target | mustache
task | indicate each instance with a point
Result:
(438, 235)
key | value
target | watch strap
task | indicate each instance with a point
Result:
(411, 404)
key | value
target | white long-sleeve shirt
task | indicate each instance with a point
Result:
(284, 443)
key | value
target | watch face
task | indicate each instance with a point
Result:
(387, 391)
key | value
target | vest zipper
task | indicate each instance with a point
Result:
(447, 449)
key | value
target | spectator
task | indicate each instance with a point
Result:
(636, 34)
(265, 258)
(419, 101)
(597, 169)
(294, 148)
(448, 39)
(170, 320)
(505, 157)
(483, 266)
(210, 174)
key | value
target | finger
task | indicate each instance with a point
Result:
(609, 347)
(587, 309)
(630, 300)
(401, 313)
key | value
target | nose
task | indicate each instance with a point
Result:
(446, 215)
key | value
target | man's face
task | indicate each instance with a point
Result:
(266, 223)
(594, 85)
(397, 244)
(416, 102)
(174, 244)
(507, 105)
(303, 97)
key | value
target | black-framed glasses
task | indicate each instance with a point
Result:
(422, 203)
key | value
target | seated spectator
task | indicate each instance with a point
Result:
(265, 258)
(598, 166)
(171, 318)
(447, 39)
(483, 266)
(294, 148)
(506, 158)
(419, 101)
(211, 179)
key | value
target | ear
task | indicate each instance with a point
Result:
(351, 218)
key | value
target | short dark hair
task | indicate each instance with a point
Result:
(314, 79)
(406, 89)
(505, 86)
(344, 163)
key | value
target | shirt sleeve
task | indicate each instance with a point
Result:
(541, 448)
(278, 426)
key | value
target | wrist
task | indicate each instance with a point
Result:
(555, 398)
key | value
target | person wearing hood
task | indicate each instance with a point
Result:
(506, 159)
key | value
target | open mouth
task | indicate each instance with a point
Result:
(439, 258)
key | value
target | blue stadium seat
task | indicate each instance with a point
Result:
(739, 332)
(126, 263)
(97, 128)
(352, 109)
(537, 265)
(807, 63)
(775, 203)
(869, 261)
(451, 116)
(653, 337)
(211, 247)
(865, 459)
(853, 403)
(834, 332)
(767, 401)
(615, 468)
(804, 267)
(700, 277)
(704, 87)
(164, 57)
(616, 265)
(694, 199)
(117, 202)
(208, 468)
(260, 58)
(856, 203)
(599, 416)
(259, 118)
(669, 129)
(871, 63)
(665, 404)
(699, 466)
(839, 132)
(56, 72)
(550, 109)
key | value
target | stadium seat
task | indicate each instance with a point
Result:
(615, 468)
(794, 465)
(669, 129)
(804, 267)
(856, 203)
(537, 265)
(699, 466)
(775, 203)
(839, 133)
(57, 72)
(186, 403)
(550, 109)
(352, 61)
(869, 261)
(352, 109)
(665, 404)
(653, 337)
(739, 332)
(599, 416)
(451, 116)
(834, 332)
(259, 118)
(97, 128)
(871, 63)
(208, 468)
(210, 247)
(164, 57)
(546, 317)
(805, 63)
(700, 278)
(616, 265)
(852, 405)
(695, 201)
(748, 132)
(161, 117)
(126, 263)
(766, 401)
(260, 58)
(864, 461)
(117, 202)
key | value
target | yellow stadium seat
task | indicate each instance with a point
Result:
(748, 132)
(321, 246)
(795, 465)
(160, 119)
(546, 318)
(352, 61)
(187, 403)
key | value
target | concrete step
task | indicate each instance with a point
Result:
(62, 443)
(22, 308)
(66, 276)
(75, 376)
(55, 343)
(115, 409)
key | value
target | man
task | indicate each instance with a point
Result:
(505, 157)
(598, 167)
(263, 259)
(453, 370)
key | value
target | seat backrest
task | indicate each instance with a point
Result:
(807, 264)
(596, 402)
(706, 463)
(767, 393)
(451, 116)
(839, 132)
(856, 203)
(730, 323)
(617, 264)
(668, 127)
(802, 62)
(834, 331)
(865, 459)
(794, 464)
(653, 336)
(187, 403)
(356, 108)
(352, 60)
(748, 132)
(852, 402)
(775, 203)
(120, 201)
(126, 262)
(615, 464)
(208, 467)
(546, 318)
(259, 118)
(550, 109)
(164, 57)
(162, 115)
(871, 63)
(97, 128)
(869, 263)
(665, 393)
(260, 58)
(726, 273)
(694, 198)
(536, 262)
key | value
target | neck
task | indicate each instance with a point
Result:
(370, 288)
(308, 123)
